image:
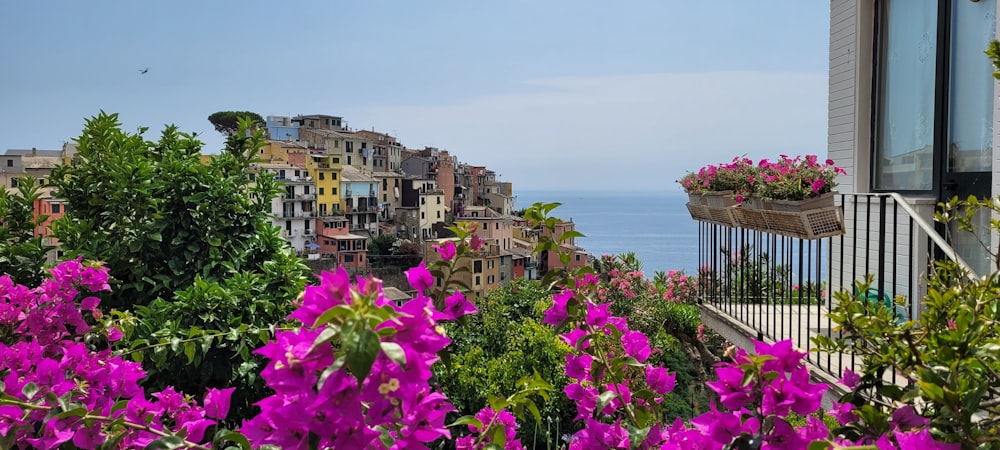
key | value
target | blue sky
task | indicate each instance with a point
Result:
(550, 94)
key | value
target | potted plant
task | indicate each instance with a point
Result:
(797, 184)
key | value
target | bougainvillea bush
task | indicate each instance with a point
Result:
(356, 373)
(60, 385)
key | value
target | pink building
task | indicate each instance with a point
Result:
(335, 241)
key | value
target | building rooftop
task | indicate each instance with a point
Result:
(345, 236)
(33, 152)
(40, 162)
(395, 294)
(351, 173)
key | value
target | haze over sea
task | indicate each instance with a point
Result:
(654, 225)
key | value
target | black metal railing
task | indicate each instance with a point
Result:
(776, 287)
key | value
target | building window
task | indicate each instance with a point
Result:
(288, 225)
(439, 200)
(333, 191)
(913, 131)
(10, 163)
(321, 191)
(333, 176)
(439, 214)
(478, 282)
(348, 160)
(348, 258)
(253, 176)
(422, 215)
(423, 200)
(489, 264)
(384, 198)
(322, 175)
(490, 279)
(56, 208)
(13, 182)
(577, 257)
(336, 160)
(305, 190)
(477, 267)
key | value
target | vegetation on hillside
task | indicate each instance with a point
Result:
(200, 275)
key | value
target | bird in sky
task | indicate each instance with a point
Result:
(142, 71)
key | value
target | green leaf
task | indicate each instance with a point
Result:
(324, 337)
(232, 436)
(362, 348)
(79, 411)
(189, 350)
(604, 399)
(29, 390)
(338, 311)
(395, 352)
(166, 443)
(819, 445)
(467, 420)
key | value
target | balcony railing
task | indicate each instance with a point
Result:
(770, 286)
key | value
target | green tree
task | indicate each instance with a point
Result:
(500, 344)
(228, 122)
(199, 271)
(382, 245)
(22, 255)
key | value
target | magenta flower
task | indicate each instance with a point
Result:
(217, 402)
(420, 278)
(659, 380)
(475, 243)
(456, 305)
(844, 413)
(636, 345)
(597, 315)
(730, 387)
(850, 379)
(922, 440)
(906, 418)
(446, 250)
(578, 367)
(557, 313)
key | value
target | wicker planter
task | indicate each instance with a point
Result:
(694, 198)
(823, 201)
(758, 203)
(721, 215)
(719, 199)
(749, 218)
(699, 212)
(811, 224)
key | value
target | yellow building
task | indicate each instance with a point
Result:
(482, 268)
(326, 171)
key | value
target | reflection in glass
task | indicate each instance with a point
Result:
(970, 134)
(905, 144)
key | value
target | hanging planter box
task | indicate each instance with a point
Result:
(823, 201)
(699, 212)
(722, 215)
(758, 203)
(720, 199)
(749, 218)
(695, 198)
(811, 224)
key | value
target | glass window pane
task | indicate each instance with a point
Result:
(905, 143)
(970, 137)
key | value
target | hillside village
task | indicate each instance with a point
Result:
(344, 188)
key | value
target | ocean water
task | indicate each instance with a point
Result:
(656, 226)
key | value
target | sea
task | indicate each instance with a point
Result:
(655, 226)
